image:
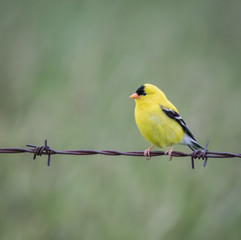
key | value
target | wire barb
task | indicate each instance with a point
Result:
(46, 150)
(200, 154)
(38, 151)
(204, 157)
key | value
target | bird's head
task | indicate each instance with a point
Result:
(147, 92)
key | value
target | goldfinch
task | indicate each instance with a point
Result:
(159, 121)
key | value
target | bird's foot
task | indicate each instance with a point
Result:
(169, 153)
(147, 153)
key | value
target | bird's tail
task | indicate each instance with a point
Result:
(195, 145)
(192, 143)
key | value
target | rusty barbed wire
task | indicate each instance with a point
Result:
(46, 150)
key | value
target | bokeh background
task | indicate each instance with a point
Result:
(66, 71)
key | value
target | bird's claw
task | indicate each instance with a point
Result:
(147, 153)
(169, 153)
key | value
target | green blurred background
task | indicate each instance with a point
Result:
(66, 71)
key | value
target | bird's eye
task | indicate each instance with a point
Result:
(140, 91)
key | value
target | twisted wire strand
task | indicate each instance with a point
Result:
(46, 150)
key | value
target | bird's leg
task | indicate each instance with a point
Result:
(147, 153)
(169, 153)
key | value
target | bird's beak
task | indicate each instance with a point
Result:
(134, 96)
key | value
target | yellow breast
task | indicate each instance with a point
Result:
(156, 126)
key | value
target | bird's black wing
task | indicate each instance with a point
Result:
(175, 116)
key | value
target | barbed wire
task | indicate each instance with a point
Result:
(46, 150)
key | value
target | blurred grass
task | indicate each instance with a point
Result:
(67, 69)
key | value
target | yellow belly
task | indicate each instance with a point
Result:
(156, 127)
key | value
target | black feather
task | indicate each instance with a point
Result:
(175, 116)
(141, 90)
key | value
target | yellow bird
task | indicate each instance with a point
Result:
(159, 121)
